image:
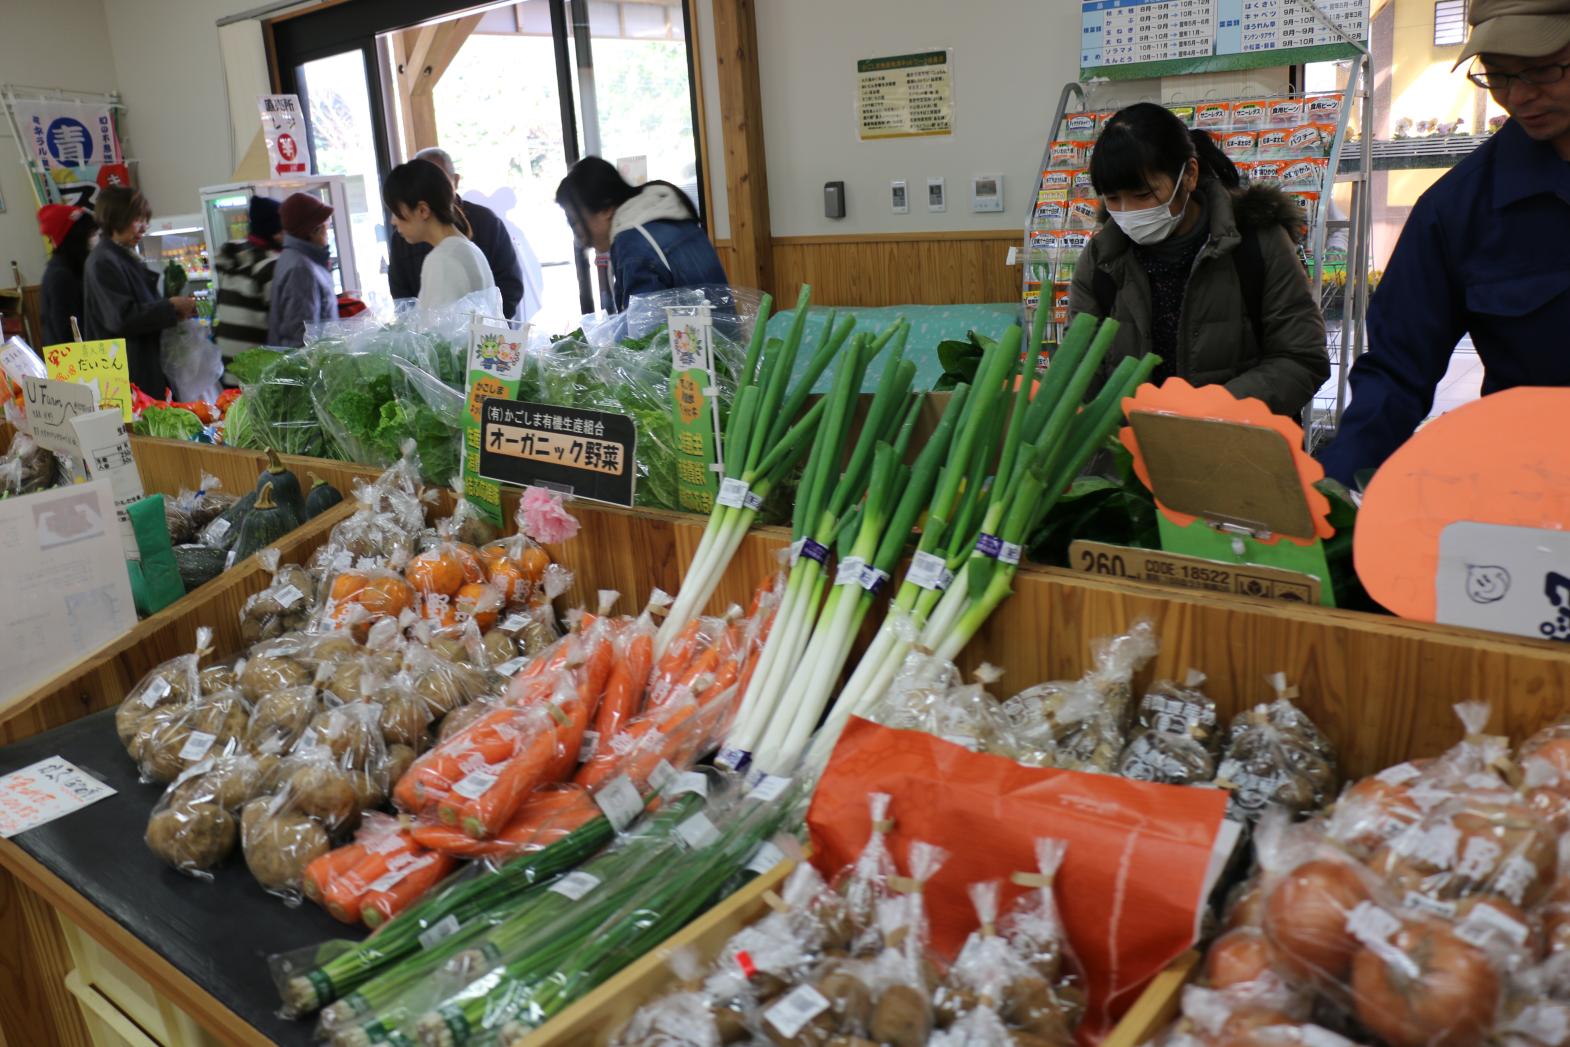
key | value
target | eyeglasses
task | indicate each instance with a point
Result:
(1537, 75)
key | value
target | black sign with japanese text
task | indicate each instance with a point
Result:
(588, 454)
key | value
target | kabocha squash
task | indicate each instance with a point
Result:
(198, 564)
(286, 486)
(224, 531)
(322, 497)
(264, 524)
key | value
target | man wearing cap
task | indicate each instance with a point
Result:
(245, 282)
(489, 234)
(302, 282)
(71, 233)
(1486, 250)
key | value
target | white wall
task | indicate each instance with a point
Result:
(63, 44)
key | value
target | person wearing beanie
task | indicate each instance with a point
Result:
(245, 280)
(120, 293)
(71, 233)
(1483, 251)
(302, 283)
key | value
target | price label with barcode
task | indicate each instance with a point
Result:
(849, 571)
(766, 858)
(697, 832)
(768, 788)
(439, 931)
(475, 784)
(733, 493)
(155, 690)
(795, 1009)
(288, 596)
(575, 885)
(196, 745)
(620, 801)
(929, 572)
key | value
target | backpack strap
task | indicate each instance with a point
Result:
(1249, 260)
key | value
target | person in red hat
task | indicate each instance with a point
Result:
(302, 283)
(71, 233)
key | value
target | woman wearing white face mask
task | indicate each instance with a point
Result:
(1197, 270)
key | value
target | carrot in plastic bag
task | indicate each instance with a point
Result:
(327, 867)
(400, 888)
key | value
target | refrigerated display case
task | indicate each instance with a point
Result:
(225, 210)
(179, 238)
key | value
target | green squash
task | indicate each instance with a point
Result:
(322, 497)
(198, 564)
(224, 531)
(267, 522)
(286, 486)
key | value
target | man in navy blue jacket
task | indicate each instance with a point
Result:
(488, 233)
(1486, 250)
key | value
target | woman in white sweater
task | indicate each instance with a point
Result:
(423, 207)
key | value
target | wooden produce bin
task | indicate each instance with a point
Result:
(1380, 688)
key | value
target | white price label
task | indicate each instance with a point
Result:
(514, 622)
(766, 858)
(1547, 1023)
(394, 876)
(662, 775)
(620, 801)
(697, 832)
(384, 844)
(217, 529)
(733, 493)
(439, 931)
(575, 885)
(849, 571)
(196, 746)
(1486, 919)
(752, 502)
(475, 784)
(769, 788)
(343, 560)
(591, 742)
(690, 782)
(795, 1009)
(872, 579)
(507, 668)
(288, 596)
(929, 572)
(733, 759)
(1373, 926)
(1400, 774)
(1010, 554)
(1423, 903)
(155, 690)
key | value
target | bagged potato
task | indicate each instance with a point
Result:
(175, 682)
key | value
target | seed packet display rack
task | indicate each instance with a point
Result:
(1295, 140)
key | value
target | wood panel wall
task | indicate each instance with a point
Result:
(894, 268)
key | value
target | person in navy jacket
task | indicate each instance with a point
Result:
(651, 232)
(1486, 250)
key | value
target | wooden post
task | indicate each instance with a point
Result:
(427, 51)
(741, 122)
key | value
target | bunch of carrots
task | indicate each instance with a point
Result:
(593, 706)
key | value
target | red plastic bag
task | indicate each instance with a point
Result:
(1133, 881)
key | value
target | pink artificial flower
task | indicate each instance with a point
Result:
(544, 517)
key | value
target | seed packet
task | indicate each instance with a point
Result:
(1240, 145)
(1285, 112)
(1271, 144)
(1185, 113)
(1213, 116)
(1306, 173)
(1051, 214)
(1324, 108)
(1083, 213)
(1060, 300)
(1250, 115)
(1081, 126)
(1069, 155)
(1055, 181)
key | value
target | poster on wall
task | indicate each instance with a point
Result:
(905, 96)
(1123, 39)
(72, 148)
(283, 125)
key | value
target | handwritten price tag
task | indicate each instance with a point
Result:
(94, 363)
(44, 791)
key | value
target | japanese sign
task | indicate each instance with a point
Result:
(496, 354)
(588, 454)
(905, 96)
(696, 406)
(45, 791)
(106, 452)
(1130, 32)
(50, 407)
(283, 125)
(72, 148)
(1507, 579)
(101, 366)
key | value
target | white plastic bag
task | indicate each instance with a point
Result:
(191, 362)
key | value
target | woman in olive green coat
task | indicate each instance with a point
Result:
(1196, 269)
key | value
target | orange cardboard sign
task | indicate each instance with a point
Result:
(1486, 462)
(1134, 875)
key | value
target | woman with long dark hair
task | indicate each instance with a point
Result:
(1197, 269)
(651, 231)
(71, 233)
(424, 209)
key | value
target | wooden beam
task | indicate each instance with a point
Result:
(741, 123)
(429, 50)
(417, 46)
(448, 42)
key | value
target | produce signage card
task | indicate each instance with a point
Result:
(62, 569)
(496, 354)
(695, 406)
(44, 791)
(51, 406)
(101, 365)
(584, 453)
(106, 452)
(1507, 579)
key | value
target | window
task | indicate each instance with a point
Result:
(1449, 22)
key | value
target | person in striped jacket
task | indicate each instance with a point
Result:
(245, 277)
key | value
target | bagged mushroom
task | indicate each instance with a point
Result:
(1275, 756)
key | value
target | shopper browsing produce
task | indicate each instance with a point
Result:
(120, 297)
(302, 291)
(425, 210)
(405, 259)
(1200, 272)
(245, 271)
(1483, 252)
(72, 233)
(652, 232)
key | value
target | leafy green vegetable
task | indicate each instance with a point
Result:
(248, 365)
(174, 423)
(240, 428)
(281, 410)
